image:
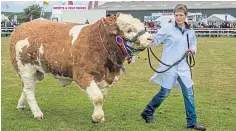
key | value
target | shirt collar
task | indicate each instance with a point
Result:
(186, 25)
(182, 30)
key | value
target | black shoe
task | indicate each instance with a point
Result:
(197, 127)
(148, 119)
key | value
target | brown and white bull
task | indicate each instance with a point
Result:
(86, 54)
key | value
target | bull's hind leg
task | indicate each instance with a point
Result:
(97, 99)
(21, 101)
(28, 77)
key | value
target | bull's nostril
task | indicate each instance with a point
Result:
(149, 38)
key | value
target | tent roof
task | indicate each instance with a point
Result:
(3, 17)
(220, 17)
(165, 17)
(39, 19)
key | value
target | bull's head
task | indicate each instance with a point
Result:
(132, 31)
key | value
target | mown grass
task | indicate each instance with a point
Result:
(68, 109)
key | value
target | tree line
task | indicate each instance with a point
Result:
(34, 10)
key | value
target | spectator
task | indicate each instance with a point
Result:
(145, 23)
(151, 24)
(86, 22)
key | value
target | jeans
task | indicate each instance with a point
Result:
(188, 101)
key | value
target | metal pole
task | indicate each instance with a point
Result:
(162, 5)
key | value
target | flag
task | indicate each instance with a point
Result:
(45, 3)
(70, 2)
(95, 4)
(90, 5)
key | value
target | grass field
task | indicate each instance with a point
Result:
(69, 109)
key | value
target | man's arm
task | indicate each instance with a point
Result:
(193, 43)
(160, 36)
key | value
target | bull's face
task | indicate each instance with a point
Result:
(133, 31)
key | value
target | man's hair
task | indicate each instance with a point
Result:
(182, 7)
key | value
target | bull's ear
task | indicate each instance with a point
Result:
(105, 21)
(113, 29)
(117, 14)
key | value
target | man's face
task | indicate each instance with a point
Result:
(180, 17)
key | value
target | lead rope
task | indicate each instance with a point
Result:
(170, 66)
(102, 40)
(190, 57)
(190, 62)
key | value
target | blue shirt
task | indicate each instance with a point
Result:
(174, 47)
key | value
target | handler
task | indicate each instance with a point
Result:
(174, 36)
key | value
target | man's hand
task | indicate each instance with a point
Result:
(191, 52)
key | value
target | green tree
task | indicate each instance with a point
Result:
(34, 10)
(10, 17)
(21, 17)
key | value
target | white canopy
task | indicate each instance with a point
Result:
(221, 17)
(165, 19)
(39, 19)
(4, 18)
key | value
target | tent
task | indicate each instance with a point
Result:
(205, 21)
(38, 19)
(219, 18)
(165, 19)
(4, 18)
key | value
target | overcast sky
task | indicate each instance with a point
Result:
(18, 6)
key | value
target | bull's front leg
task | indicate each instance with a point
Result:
(97, 99)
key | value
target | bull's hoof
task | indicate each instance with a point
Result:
(38, 116)
(103, 120)
(98, 119)
(20, 108)
(98, 116)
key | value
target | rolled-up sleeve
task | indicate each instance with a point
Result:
(160, 36)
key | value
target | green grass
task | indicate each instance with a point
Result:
(69, 109)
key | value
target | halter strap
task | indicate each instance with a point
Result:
(136, 37)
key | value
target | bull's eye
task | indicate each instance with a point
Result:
(129, 31)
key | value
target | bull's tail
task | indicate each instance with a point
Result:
(12, 42)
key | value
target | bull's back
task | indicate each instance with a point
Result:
(48, 41)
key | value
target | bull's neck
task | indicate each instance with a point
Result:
(108, 44)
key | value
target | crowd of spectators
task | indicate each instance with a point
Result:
(10, 27)
(224, 24)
